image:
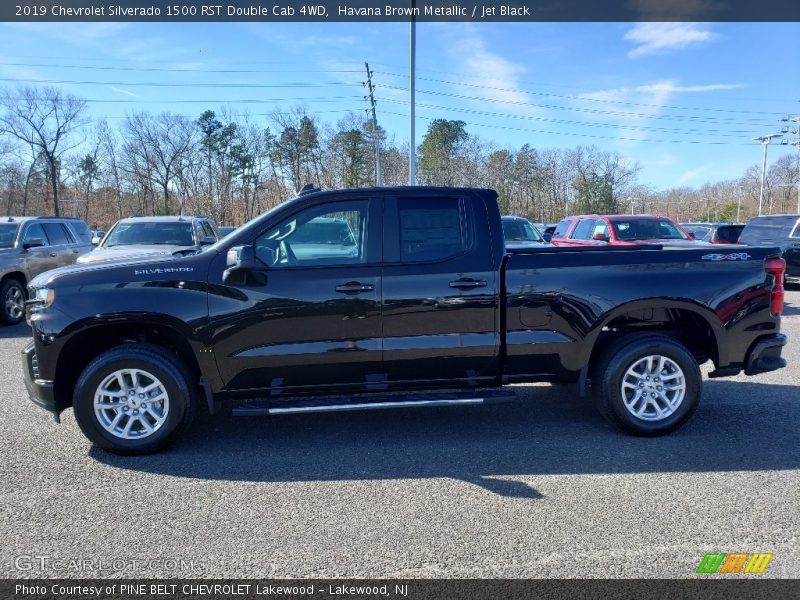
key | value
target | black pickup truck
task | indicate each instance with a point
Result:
(392, 297)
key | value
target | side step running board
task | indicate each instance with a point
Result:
(339, 403)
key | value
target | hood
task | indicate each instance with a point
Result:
(667, 243)
(149, 263)
(126, 252)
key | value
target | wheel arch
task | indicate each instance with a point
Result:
(91, 340)
(680, 319)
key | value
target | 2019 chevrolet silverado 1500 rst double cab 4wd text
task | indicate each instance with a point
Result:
(420, 305)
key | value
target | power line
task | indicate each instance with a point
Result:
(719, 120)
(584, 135)
(682, 131)
(173, 84)
(173, 70)
(583, 97)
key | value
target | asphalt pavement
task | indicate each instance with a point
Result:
(539, 488)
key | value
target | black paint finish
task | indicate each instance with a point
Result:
(478, 318)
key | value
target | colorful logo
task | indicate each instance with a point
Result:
(735, 562)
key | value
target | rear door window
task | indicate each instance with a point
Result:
(57, 234)
(432, 229)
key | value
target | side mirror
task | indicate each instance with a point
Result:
(208, 240)
(691, 235)
(33, 243)
(95, 241)
(600, 237)
(239, 261)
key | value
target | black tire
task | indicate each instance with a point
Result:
(154, 360)
(609, 372)
(11, 289)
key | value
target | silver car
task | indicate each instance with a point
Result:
(32, 245)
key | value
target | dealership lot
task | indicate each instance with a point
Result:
(540, 488)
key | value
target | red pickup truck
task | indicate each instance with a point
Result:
(620, 230)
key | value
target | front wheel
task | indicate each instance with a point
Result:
(647, 384)
(13, 295)
(134, 399)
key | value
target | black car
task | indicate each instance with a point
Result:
(520, 231)
(714, 233)
(777, 230)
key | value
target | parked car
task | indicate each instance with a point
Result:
(519, 231)
(548, 231)
(620, 230)
(32, 245)
(429, 309)
(777, 230)
(714, 233)
(225, 231)
(138, 236)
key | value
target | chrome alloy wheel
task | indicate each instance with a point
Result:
(131, 404)
(653, 388)
(15, 303)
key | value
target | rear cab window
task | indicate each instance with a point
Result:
(432, 229)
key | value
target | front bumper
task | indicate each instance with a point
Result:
(40, 391)
(765, 355)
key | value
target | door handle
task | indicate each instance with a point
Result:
(354, 287)
(75, 251)
(467, 283)
(53, 254)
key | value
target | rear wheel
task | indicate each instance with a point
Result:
(134, 399)
(647, 384)
(13, 296)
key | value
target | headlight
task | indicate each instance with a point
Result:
(44, 297)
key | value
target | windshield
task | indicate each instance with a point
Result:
(647, 229)
(520, 231)
(8, 233)
(148, 233)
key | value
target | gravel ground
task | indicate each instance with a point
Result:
(539, 488)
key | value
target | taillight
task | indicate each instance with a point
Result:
(776, 268)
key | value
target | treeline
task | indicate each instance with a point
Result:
(54, 160)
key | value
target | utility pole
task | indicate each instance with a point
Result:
(796, 144)
(376, 138)
(631, 200)
(765, 140)
(412, 75)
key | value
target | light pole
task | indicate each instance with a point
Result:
(412, 80)
(739, 203)
(631, 200)
(765, 140)
(796, 144)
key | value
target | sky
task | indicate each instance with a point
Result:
(684, 100)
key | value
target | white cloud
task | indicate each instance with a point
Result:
(660, 38)
(632, 108)
(497, 78)
(121, 91)
(693, 175)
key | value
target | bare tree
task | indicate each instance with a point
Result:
(43, 118)
(156, 146)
